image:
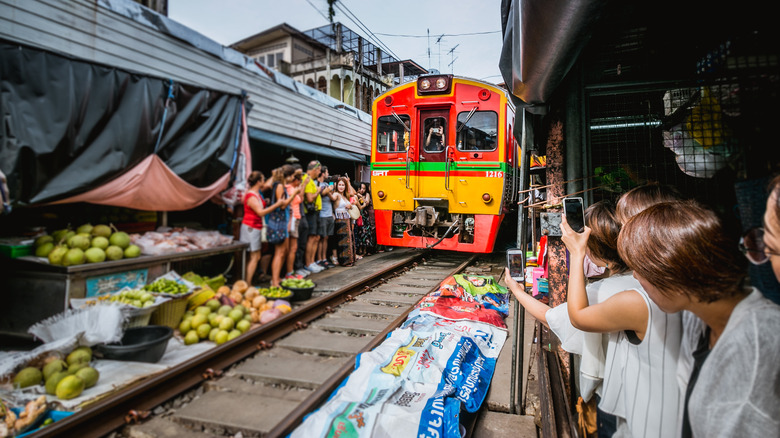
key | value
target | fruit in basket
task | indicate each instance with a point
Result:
(214, 322)
(269, 315)
(240, 286)
(69, 387)
(167, 286)
(135, 297)
(74, 256)
(53, 380)
(79, 355)
(28, 377)
(100, 242)
(54, 366)
(203, 331)
(95, 255)
(213, 333)
(86, 228)
(236, 314)
(120, 239)
(297, 283)
(224, 310)
(202, 310)
(132, 251)
(191, 338)
(101, 230)
(57, 254)
(77, 366)
(89, 375)
(114, 252)
(233, 334)
(44, 249)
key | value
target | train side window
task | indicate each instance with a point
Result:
(391, 135)
(478, 132)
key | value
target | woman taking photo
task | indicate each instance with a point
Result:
(343, 226)
(252, 223)
(278, 220)
(730, 351)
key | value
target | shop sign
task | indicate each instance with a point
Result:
(114, 282)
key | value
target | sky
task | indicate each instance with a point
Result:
(474, 56)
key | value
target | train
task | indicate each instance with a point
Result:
(444, 162)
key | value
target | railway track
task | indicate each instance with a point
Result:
(264, 382)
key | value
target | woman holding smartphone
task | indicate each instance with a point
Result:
(683, 257)
(617, 311)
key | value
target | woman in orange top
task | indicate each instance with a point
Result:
(294, 189)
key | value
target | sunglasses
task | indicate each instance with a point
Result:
(753, 247)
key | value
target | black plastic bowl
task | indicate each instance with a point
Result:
(300, 294)
(139, 344)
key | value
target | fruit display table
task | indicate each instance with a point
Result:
(36, 290)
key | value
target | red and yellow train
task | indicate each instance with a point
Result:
(443, 158)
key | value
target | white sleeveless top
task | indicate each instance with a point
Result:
(640, 382)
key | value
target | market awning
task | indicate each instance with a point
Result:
(301, 145)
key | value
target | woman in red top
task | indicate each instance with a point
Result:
(252, 224)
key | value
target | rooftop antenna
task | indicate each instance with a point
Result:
(438, 41)
(452, 52)
(429, 49)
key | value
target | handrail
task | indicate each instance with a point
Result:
(407, 166)
(447, 168)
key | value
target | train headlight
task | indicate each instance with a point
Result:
(381, 194)
(487, 198)
(439, 84)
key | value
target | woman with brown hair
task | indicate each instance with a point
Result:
(343, 223)
(252, 223)
(683, 258)
(616, 306)
(279, 219)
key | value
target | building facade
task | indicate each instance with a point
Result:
(332, 59)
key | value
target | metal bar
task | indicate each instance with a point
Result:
(106, 415)
(288, 424)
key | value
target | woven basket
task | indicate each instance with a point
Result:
(138, 317)
(170, 312)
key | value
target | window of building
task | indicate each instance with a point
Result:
(271, 60)
(261, 59)
(478, 132)
(391, 134)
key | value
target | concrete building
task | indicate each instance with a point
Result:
(332, 59)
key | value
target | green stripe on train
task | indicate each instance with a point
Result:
(439, 166)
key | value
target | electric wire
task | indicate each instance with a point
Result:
(364, 28)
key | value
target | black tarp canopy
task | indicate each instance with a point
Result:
(71, 126)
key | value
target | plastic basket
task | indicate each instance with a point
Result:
(170, 312)
(137, 316)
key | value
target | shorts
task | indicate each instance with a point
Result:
(293, 229)
(252, 236)
(326, 226)
(313, 219)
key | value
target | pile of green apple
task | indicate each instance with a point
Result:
(85, 244)
(216, 322)
(135, 297)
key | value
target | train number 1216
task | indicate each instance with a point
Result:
(494, 174)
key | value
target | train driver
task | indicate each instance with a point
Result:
(434, 142)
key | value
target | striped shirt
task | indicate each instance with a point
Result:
(640, 382)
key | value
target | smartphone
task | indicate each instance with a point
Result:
(514, 261)
(330, 183)
(575, 213)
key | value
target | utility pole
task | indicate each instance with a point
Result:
(452, 52)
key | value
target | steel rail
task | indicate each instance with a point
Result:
(112, 412)
(288, 424)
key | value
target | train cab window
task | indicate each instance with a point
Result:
(478, 132)
(391, 134)
(434, 129)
